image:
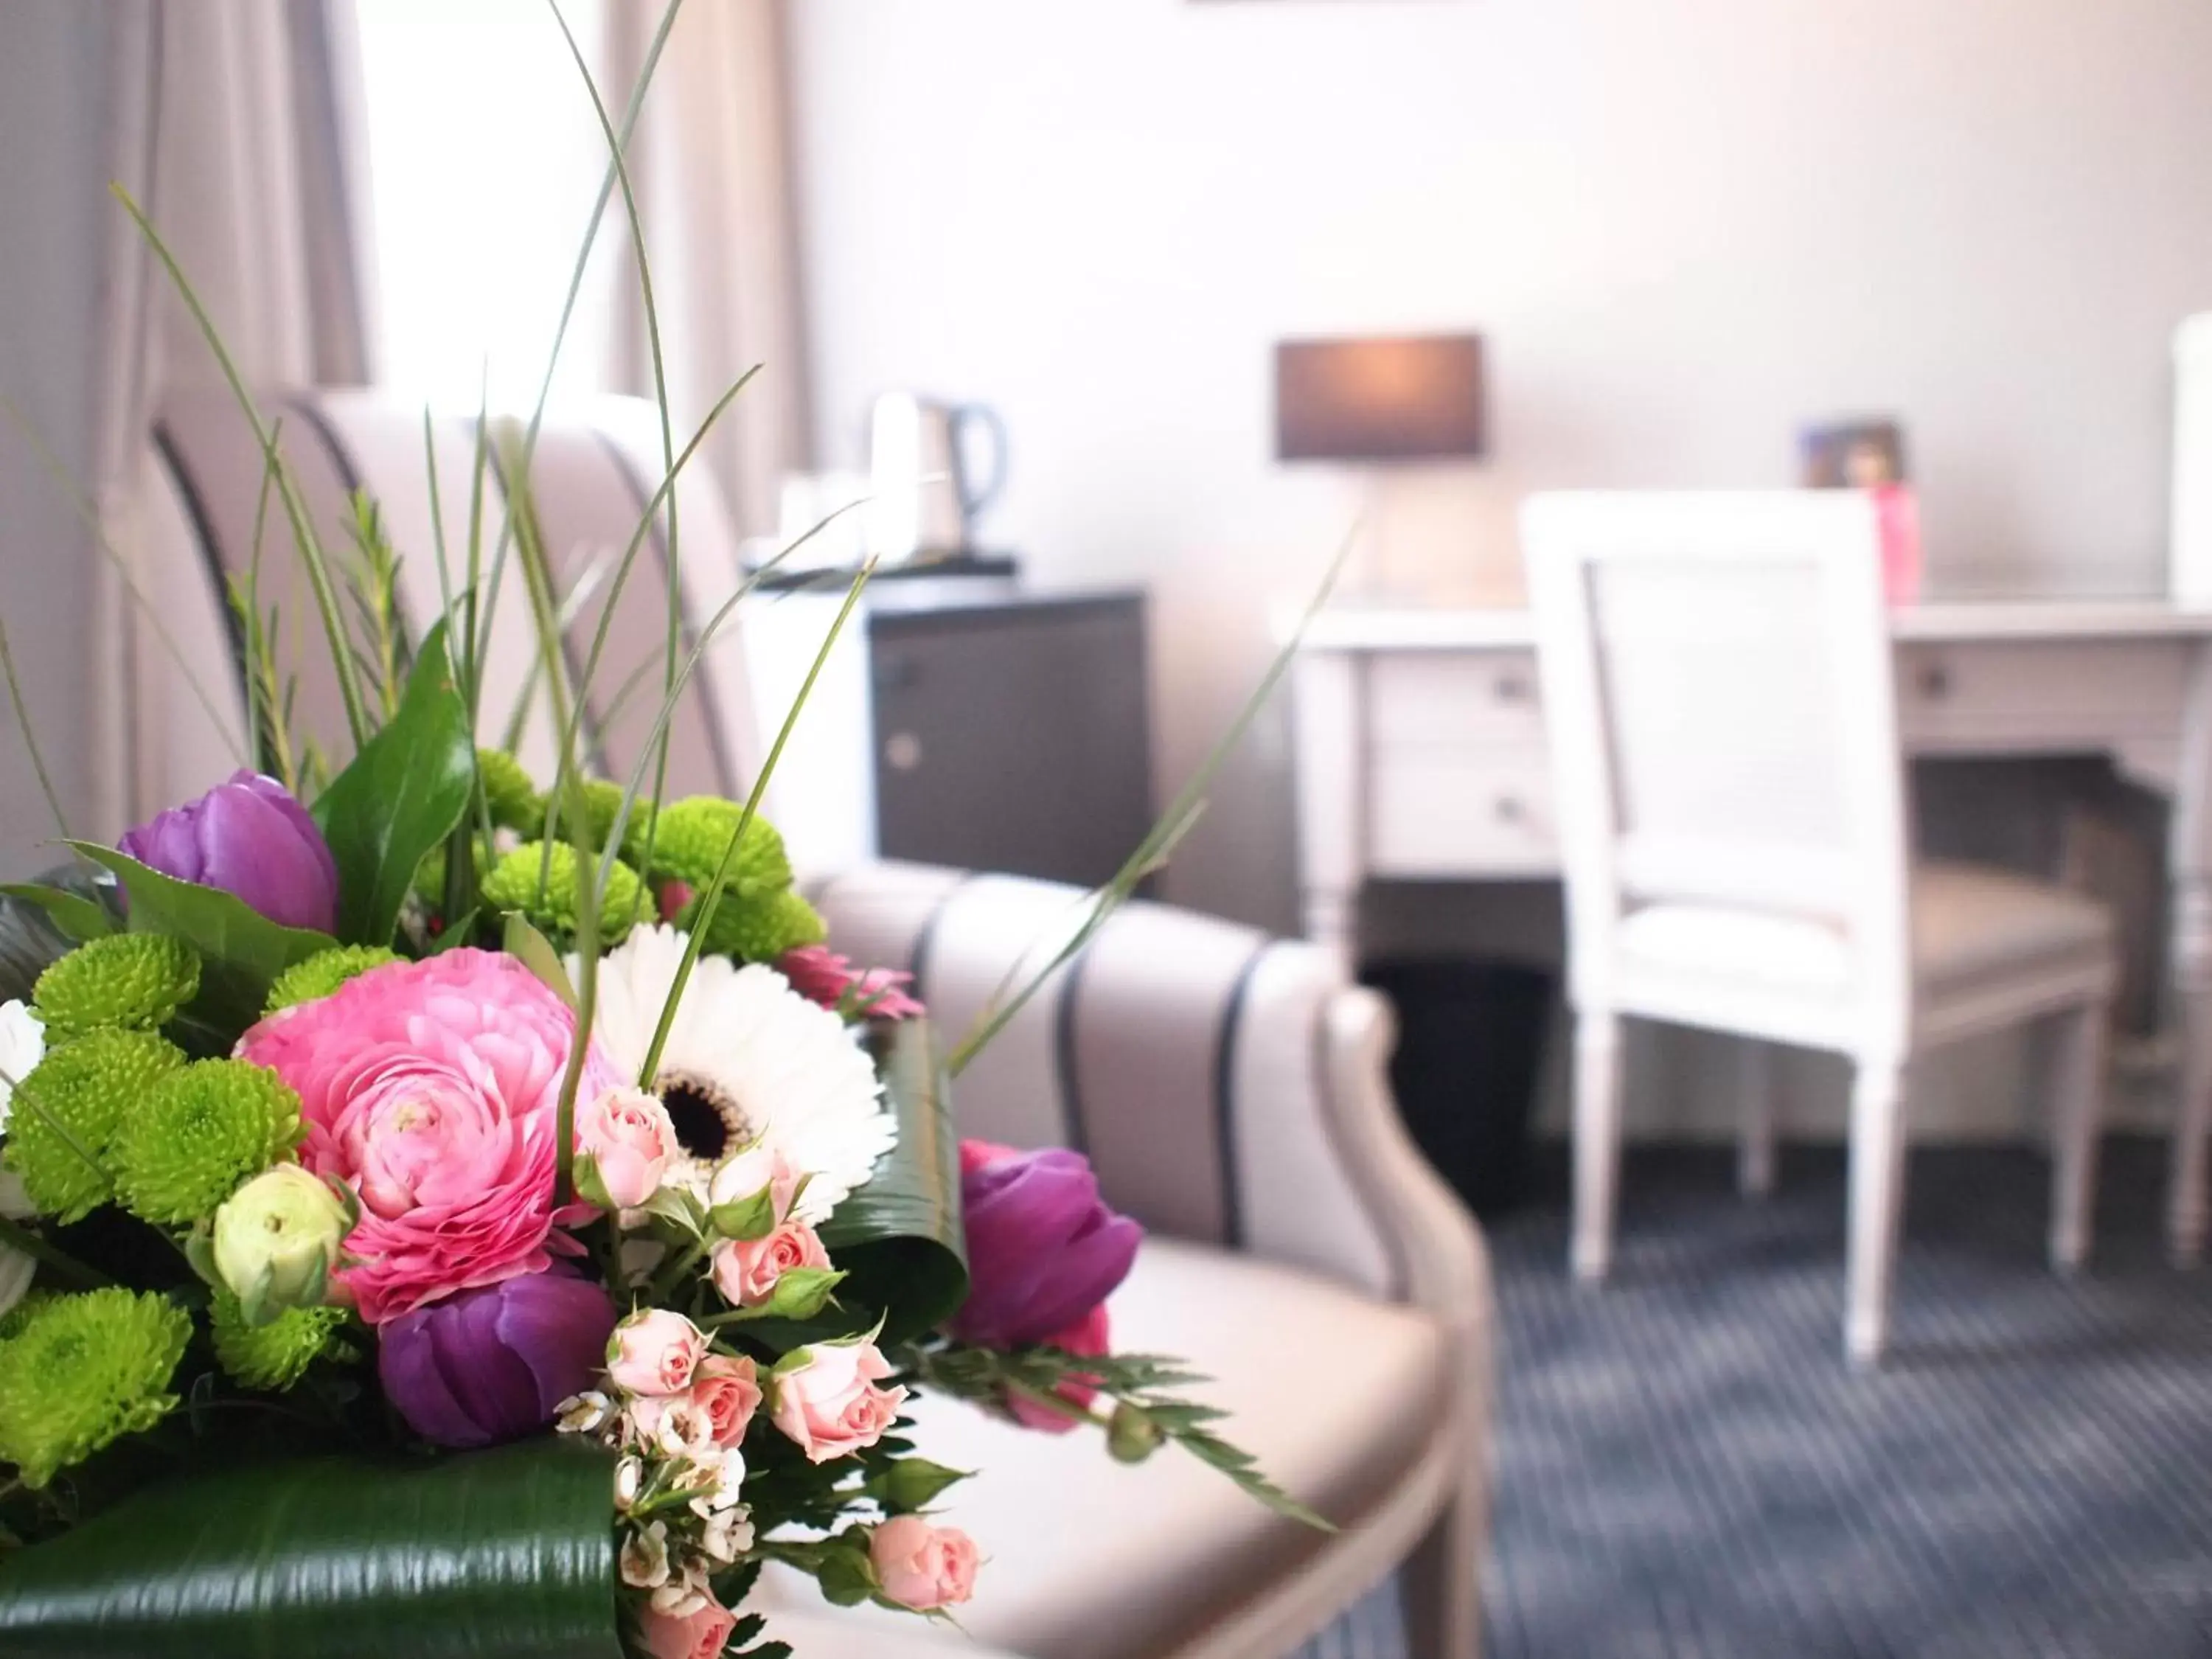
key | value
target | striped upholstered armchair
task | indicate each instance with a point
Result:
(1230, 1089)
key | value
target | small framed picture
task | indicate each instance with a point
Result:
(1852, 455)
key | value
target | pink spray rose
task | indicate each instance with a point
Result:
(432, 1089)
(828, 1404)
(922, 1566)
(699, 1634)
(729, 1392)
(746, 1269)
(756, 1169)
(724, 1394)
(627, 1134)
(654, 1351)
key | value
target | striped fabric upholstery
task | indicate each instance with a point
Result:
(1185, 1055)
(593, 473)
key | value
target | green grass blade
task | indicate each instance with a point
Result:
(1176, 822)
(652, 312)
(30, 742)
(88, 515)
(311, 549)
(712, 898)
(576, 289)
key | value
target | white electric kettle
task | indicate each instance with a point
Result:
(925, 475)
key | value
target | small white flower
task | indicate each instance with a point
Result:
(719, 1480)
(727, 1535)
(684, 1431)
(22, 1046)
(645, 1556)
(681, 1597)
(585, 1413)
(629, 1475)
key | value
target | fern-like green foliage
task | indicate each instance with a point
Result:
(1140, 1386)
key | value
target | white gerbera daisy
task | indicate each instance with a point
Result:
(22, 1046)
(747, 1058)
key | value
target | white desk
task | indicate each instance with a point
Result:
(1421, 755)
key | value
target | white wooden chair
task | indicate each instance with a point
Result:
(1719, 692)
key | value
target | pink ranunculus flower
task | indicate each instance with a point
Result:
(827, 1403)
(922, 1566)
(746, 1269)
(655, 1350)
(820, 974)
(627, 1134)
(699, 1634)
(433, 1089)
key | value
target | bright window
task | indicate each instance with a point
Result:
(484, 157)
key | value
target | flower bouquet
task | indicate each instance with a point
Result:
(449, 1212)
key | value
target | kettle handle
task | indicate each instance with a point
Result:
(976, 497)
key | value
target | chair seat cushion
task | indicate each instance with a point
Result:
(1088, 1559)
(1968, 923)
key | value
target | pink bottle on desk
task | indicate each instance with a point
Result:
(1897, 518)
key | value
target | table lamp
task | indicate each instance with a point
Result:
(1384, 400)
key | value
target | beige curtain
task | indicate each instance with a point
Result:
(712, 166)
(235, 128)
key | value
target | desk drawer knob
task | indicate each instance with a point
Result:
(1935, 680)
(1510, 810)
(1512, 687)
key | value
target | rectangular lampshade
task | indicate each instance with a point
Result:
(1415, 398)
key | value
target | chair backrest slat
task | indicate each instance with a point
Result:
(1719, 691)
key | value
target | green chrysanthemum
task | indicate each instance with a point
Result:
(695, 833)
(83, 1371)
(512, 885)
(134, 980)
(602, 800)
(69, 1109)
(429, 877)
(274, 1356)
(13, 1322)
(323, 972)
(514, 799)
(202, 1132)
(759, 930)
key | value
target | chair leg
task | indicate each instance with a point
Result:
(1440, 1584)
(1877, 1204)
(1597, 1141)
(2186, 1204)
(1754, 1147)
(2076, 1131)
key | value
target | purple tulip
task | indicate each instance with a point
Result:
(248, 836)
(1043, 1249)
(493, 1363)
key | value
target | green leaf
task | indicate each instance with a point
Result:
(403, 794)
(899, 1237)
(241, 950)
(746, 1218)
(506, 1554)
(80, 917)
(536, 952)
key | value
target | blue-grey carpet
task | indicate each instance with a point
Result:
(1686, 1469)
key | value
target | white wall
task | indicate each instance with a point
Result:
(1684, 226)
(53, 216)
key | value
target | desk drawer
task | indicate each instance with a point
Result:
(2039, 698)
(1469, 811)
(1446, 698)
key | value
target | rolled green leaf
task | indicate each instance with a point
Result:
(505, 1554)
(900, 1238)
